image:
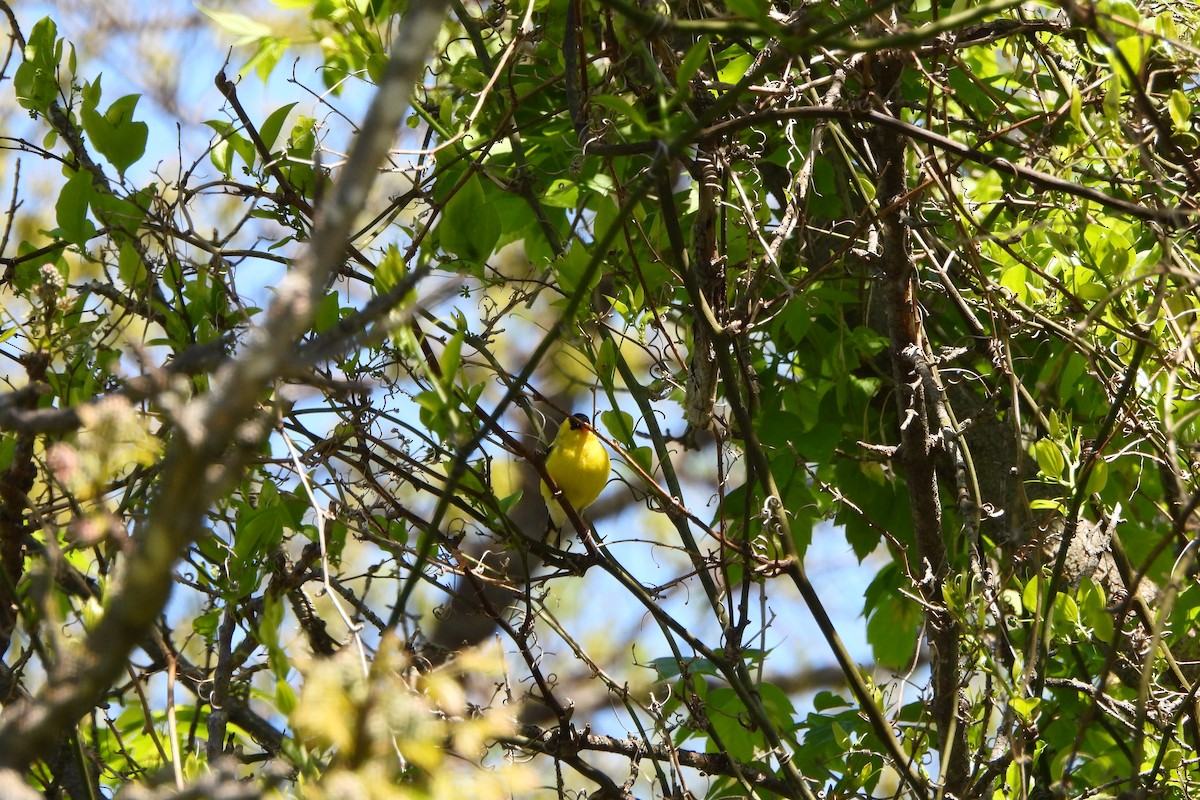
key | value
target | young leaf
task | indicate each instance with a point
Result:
(36, 78)
(269, 130)
(113, 134)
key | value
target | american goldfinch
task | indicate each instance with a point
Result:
(579, 464)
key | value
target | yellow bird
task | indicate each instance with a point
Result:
(579, 464)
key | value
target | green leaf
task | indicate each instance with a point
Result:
(1114, 96)
(1098, 479)
(735, 70)
(667, 667)
(691, 62)
(269, 130)
(436, 412)
(825, 700)
(1054, 425)
(1135, 49)
(817, 444)
(644, 457)
(1118, 17)
(230, 144)
(777, 705)
(1068, 610)
(841, 738)
(1093, 607)
(1049, 458)
(605, 363)
(1031, 595)
(71, 209)
(507, 504)
(285, 696)
(221, 154)
(270, 50)
(451, 358)
(893, 629)
(376, 66)
(622, 110)
(258, 531)
(572, 267)
(1181, 110)
(1025, 706)
(1165, 27)
(561, 193)
(391, 272)
(751, 9)
(119, 213)
(245, 29)
(329, 312)
(130, 267)
(113, 134)
(469, 227)
(206, 624)
(619, 425)
(1018, 280)
(36, 78)
(670, 668)
(271, 619)
(302, 143)
(728, 716)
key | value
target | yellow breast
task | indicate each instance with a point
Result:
(579, 464)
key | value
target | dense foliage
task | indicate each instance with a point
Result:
(917, 279)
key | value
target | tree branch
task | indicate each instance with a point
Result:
(1173, 217)
(555, 744)
(914, 405)
(213, 428)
